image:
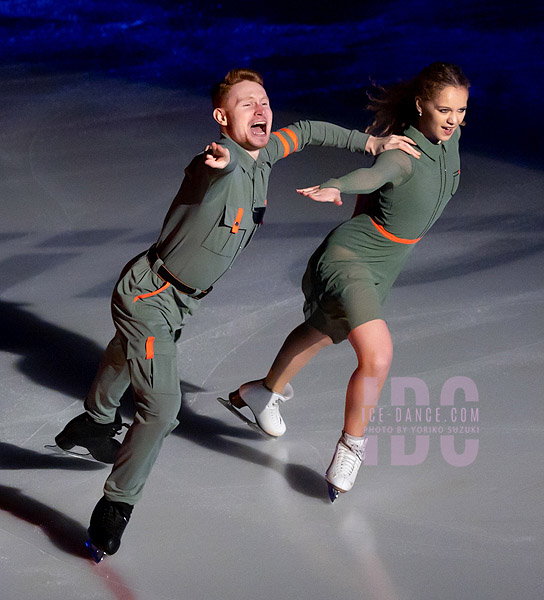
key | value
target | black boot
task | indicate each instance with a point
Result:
(96, 438)
(108, 523)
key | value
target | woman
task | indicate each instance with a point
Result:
(349, 276)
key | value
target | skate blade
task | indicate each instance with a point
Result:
(60, 452)
(255, 426)
(96, 554)
(334, 492)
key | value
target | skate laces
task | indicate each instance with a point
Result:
(273, 409)
(111, 513)
(349, 458)
(121, 427)
(116, 428)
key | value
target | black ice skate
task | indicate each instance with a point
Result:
(108, 523)
(96, 438)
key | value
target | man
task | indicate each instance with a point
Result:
(217, 210)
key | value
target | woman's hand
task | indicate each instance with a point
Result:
(322, 194)
(377, 145)
(217, 157)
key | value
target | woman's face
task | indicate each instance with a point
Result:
(441, 115)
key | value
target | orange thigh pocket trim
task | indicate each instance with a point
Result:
(149, 349)
(142, 296)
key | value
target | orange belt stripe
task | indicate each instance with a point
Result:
(151, 293)
(392, 237)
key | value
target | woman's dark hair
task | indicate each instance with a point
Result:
(394, 107)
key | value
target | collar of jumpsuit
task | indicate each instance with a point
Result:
(431, 150)
(240, 156)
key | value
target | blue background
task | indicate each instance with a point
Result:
(316, 57)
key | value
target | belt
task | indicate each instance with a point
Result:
(157, 266)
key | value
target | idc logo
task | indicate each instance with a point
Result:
(455, 421)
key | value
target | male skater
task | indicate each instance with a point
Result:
(218, 208)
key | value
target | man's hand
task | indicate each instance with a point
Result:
(322, 194)
(377, 145)
(217, 157)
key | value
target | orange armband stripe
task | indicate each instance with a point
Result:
(293, 137)
(284, 142)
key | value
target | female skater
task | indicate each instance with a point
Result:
(349, 276)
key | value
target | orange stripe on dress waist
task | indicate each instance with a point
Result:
(392, 237)
(284, 142)
(293, 137)
(142, 296)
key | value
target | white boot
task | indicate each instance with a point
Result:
(348, 457)
(264, 404)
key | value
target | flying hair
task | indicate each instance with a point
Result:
(394, 107)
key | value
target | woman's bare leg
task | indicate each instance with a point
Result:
(300, 346)
(374, 348)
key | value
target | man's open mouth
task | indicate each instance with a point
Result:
(259, 128)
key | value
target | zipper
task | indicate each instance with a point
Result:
(443, 177)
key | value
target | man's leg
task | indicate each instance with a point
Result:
(110, 383)
(150, 331)
(96, 428)
(148, 316)
(157, 396)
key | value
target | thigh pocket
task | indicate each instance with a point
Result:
(153, 365)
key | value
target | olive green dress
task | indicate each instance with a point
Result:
(349, 276)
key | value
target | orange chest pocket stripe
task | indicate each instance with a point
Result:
(236, 225)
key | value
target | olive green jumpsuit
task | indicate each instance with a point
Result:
(211, 220)
(349, 276)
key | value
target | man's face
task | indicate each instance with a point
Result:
(245, 116)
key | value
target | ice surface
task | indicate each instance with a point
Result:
(89, 168)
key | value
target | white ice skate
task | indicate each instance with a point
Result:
(263, 403)
(342, 472)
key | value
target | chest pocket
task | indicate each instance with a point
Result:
(228, 232)
(455, 184)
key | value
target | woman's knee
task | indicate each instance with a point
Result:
(373, 346)
(380, 363)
